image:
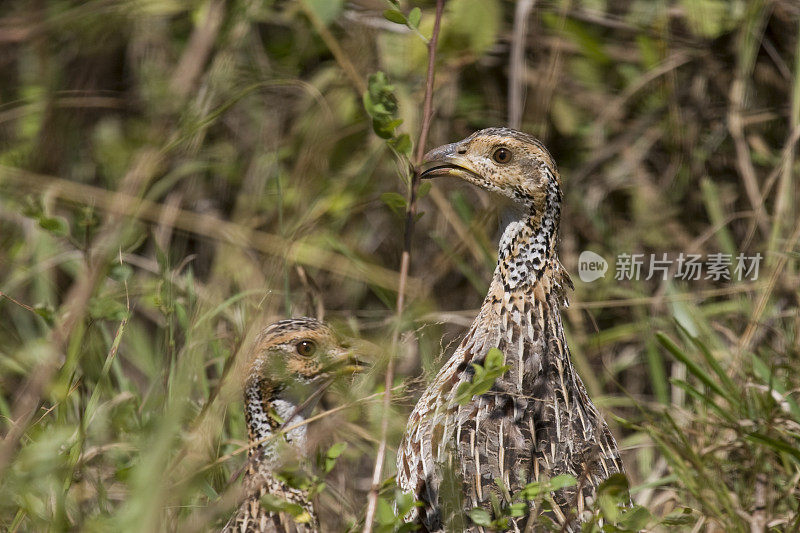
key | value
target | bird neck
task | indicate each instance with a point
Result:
(266, 413)
(527, 251)
(521, 312)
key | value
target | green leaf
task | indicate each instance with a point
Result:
(393, 15)
(518, 509)
(414, 17)
(775, 444)
(381, 130)
(46, 312)
(120, 272)
(635, 518)
(379, 99)
(55, 225)
(531, 491)
(405, 502)
(480, 517)
(612, 497)
(679, 517)
(424, 189)
(707, 18)
(337, 449)
(402, 144)
(494, 359)
(691, 365)
(484, 377)
(591, 44)
(107, 308)
(332, 454)
(562, 481)
(277, 505)
(396, 202)
(537, 488)
(295, 478)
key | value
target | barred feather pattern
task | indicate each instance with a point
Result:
(537, 420)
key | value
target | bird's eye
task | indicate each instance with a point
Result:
(306, 348)
(502, 155)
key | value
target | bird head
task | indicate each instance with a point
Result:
(298, 353)
(501, 160)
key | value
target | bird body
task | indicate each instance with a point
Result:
(289, 361)
(536, 421)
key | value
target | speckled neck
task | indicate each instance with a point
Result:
(528, 242)
(266, 412)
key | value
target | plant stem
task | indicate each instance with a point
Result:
(405, 260)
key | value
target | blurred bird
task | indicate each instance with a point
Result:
(290, 362)
(536, 421)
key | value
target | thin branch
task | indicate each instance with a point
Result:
(427, 113)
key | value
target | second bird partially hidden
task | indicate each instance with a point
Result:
(289, 364)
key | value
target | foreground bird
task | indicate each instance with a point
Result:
(289, 363)
(536, 421)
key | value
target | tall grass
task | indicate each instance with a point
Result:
(173, 175)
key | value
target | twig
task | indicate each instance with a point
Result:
(516, 70)
(20, 304)
(377, 473)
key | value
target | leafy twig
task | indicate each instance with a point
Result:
(405, 260)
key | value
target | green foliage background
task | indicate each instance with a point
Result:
(175, 174)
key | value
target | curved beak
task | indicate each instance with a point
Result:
(344, 361)
(447, 161)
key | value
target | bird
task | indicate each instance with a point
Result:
(288, 366)
(536, 421)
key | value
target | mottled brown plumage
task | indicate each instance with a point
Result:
(537, 420)
(289, 362)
